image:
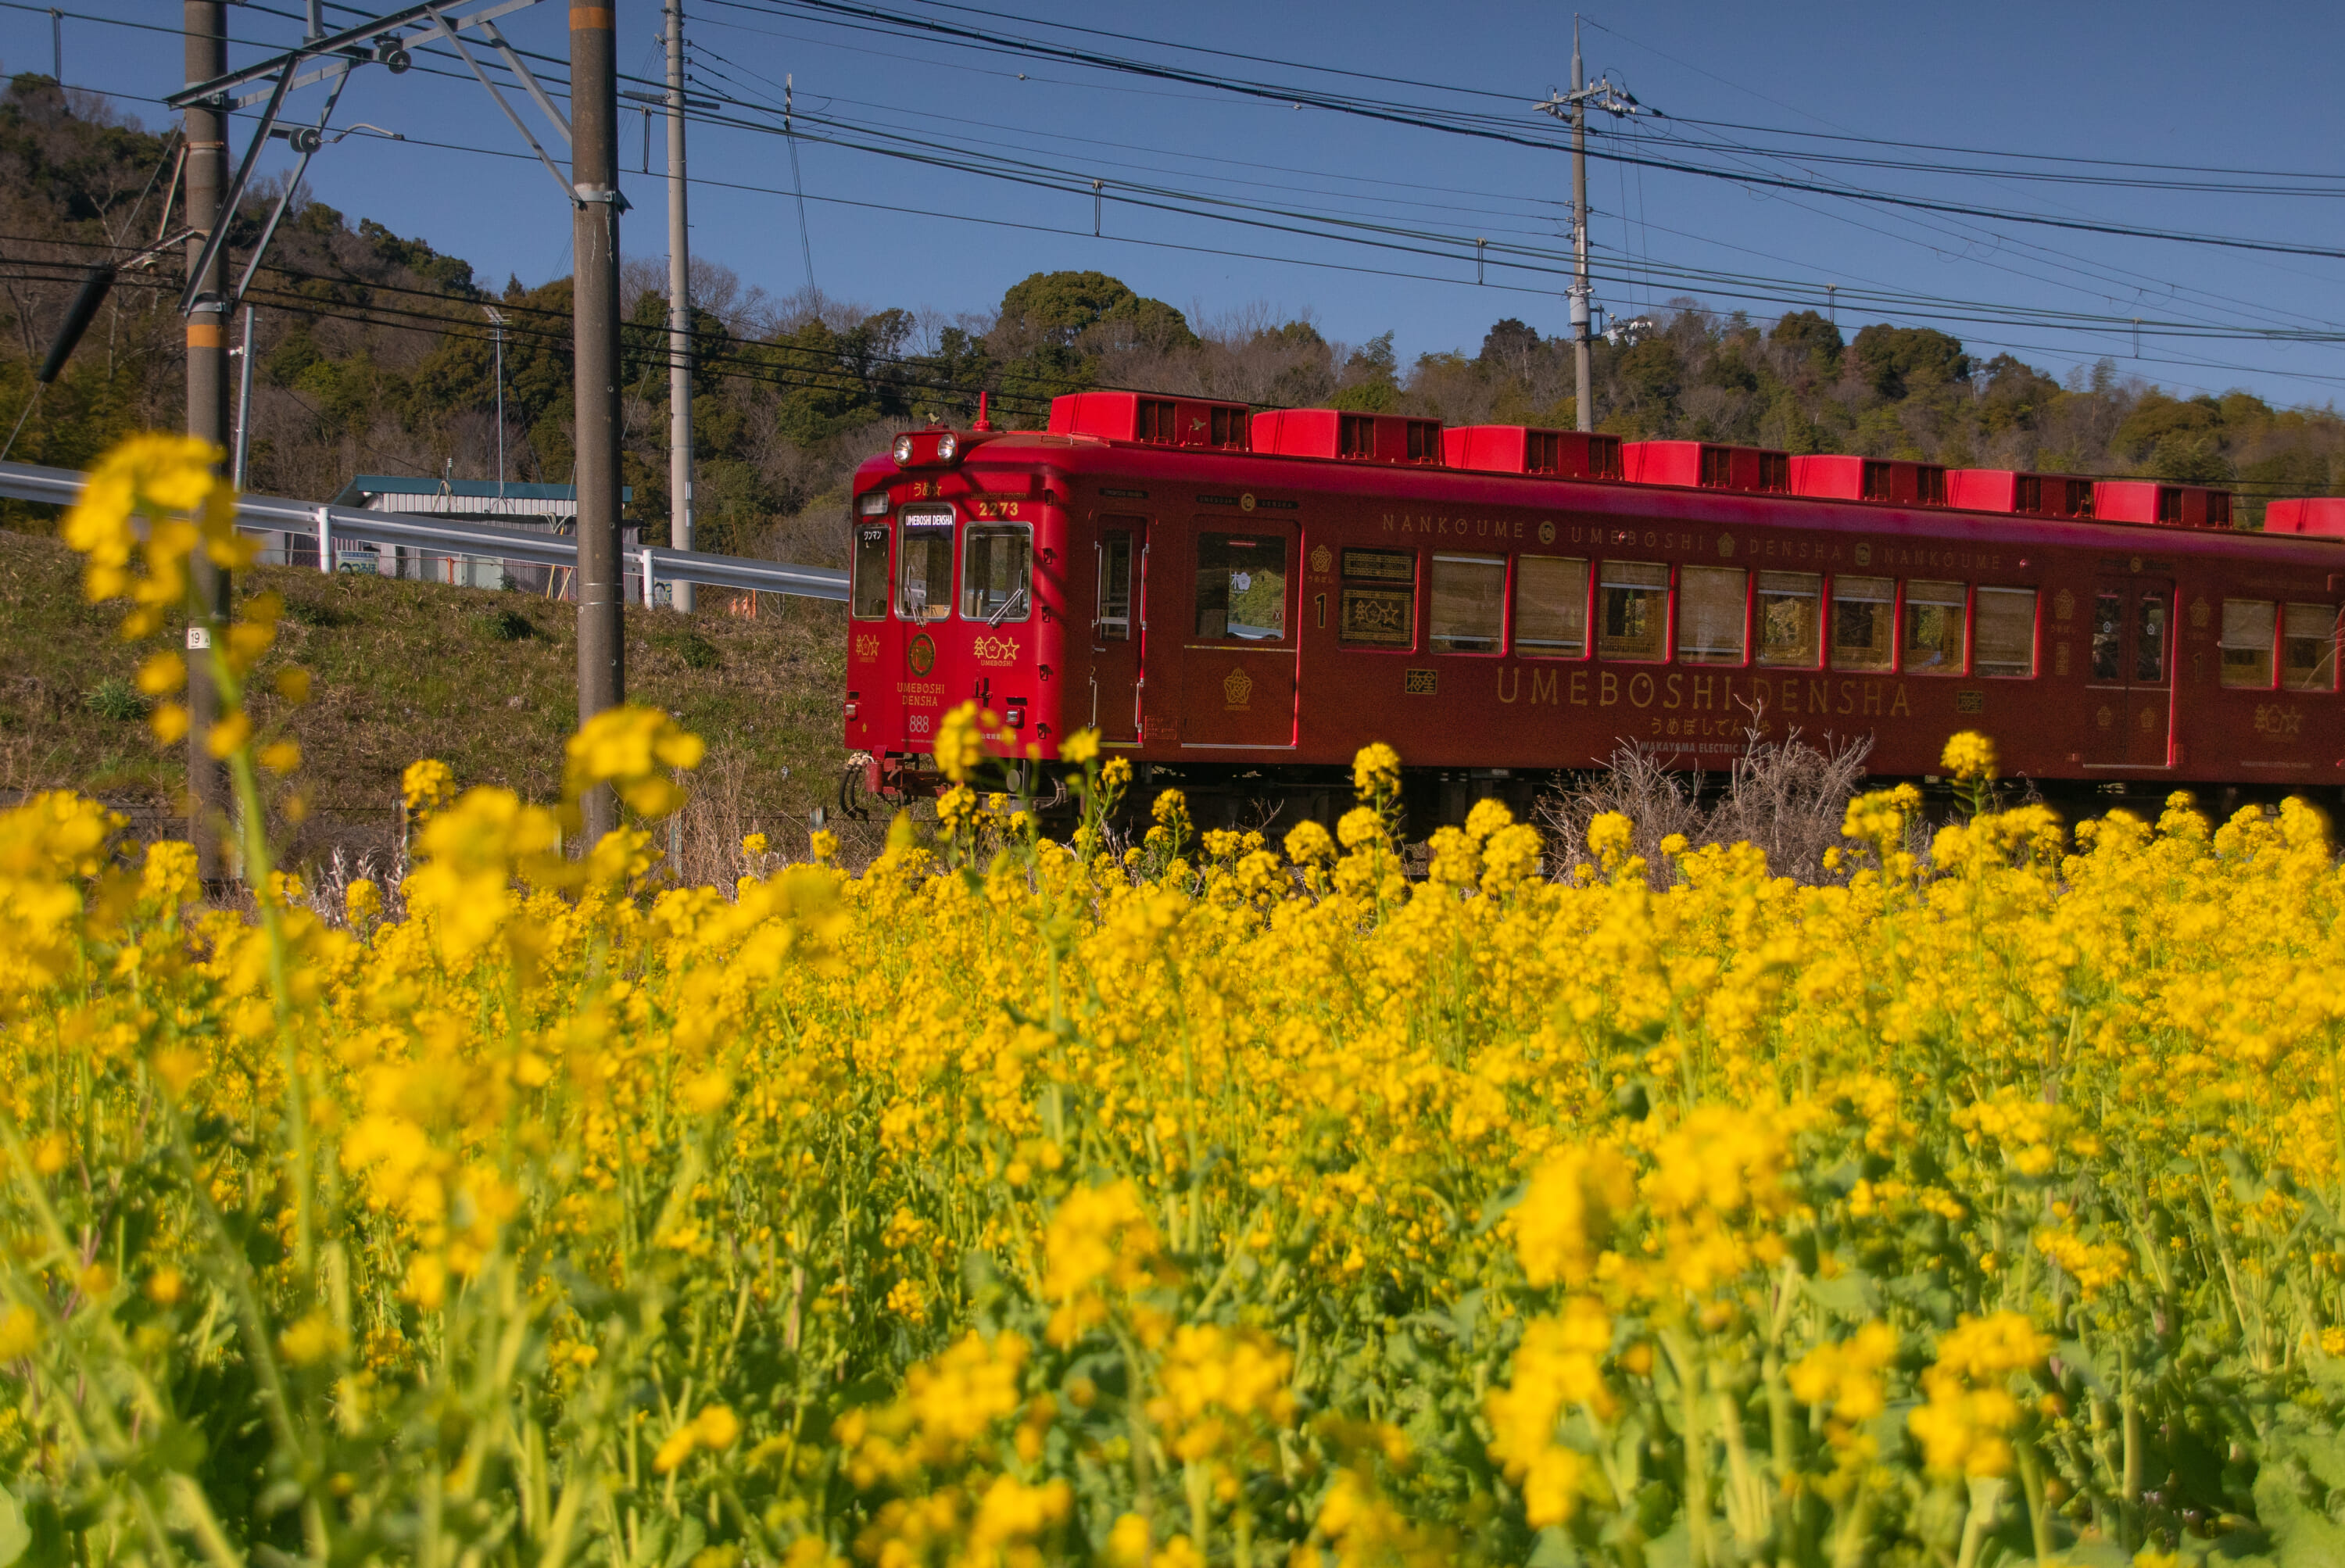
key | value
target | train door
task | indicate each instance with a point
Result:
(1119, 628)
(1239, 653)
(2131, 688)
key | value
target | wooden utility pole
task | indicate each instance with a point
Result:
(594, 249)
(206, 26)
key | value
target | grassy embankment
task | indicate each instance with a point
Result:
(481, 679)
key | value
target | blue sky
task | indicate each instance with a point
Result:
(1751, 89)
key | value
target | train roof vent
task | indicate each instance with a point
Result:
(1352, 437)
(2020, 492)
(1704, 465)
(1891, 480)
(1523, 449)
(1184, 421)
(2165, 506)
(2321, 514)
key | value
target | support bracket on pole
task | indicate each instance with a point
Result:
(333, 57)
(528, 83)
(217, 238)
(351, 43)
(489, 86)
(309, 140)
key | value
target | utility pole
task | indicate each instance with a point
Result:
(1583, 388)
(1573, 107)
(497, 322)
(595, 252)
(205, 23)
(679, 311)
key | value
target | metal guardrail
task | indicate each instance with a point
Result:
(331, 525)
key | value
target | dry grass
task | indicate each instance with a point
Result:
(481, 679)
(1785, 796)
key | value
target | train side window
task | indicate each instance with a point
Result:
(2247, 642)
(1550, 606)
(1112, 619)
(2307, 647)
(1241, 586)
(2005, 645)
(1379, 603)
(869, 601)
(1935, 613)
(1788, 619)
(1863, 612)
(1713, 614)
(924, 565)
(996, 569)
(2109, 635)
(2149, 637)
(1468, 609)
(1633, 610)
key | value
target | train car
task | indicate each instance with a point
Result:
(1239, 601)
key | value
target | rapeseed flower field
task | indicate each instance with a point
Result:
(1198, 1201)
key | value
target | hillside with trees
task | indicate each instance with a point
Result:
(376, 355)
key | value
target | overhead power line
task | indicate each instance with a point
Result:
(1480, 126)
(1769, 291)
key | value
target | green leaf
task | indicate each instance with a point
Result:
(1673, 1548)
(14, 1535)
(2076, 1358)
(1496, 1209)
(2303, 1534)
(1554, 1549)
(1851, 1295)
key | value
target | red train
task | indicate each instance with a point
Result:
(1239, 602)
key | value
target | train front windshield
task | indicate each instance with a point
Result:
(997, 564)
(924, 573)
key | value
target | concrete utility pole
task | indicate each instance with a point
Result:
(594, 249)
(206, 27)
(1582, 373)
(497, 322)
(679, 310)
(1573, 107)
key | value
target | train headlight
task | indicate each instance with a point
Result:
(947, 447)
(904, 450)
